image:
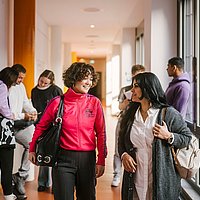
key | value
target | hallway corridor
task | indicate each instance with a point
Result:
(104, 190)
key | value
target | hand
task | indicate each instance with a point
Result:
(129, 163)
(34, 116)
(161, 131)
(32, 157)
(124, 104)
(30, 116)
(99, 170)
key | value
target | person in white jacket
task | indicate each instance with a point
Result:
(23, 109)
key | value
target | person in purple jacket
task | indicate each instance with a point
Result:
(179, 90)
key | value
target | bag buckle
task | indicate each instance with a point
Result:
(58, 119)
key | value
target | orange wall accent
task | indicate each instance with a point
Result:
(74, 57)
(24, 39)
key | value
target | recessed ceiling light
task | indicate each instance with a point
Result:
(91, 9)
(92, 26)
(92, 36)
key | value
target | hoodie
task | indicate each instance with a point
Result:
(178, 93)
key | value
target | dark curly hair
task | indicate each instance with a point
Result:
(77, 72)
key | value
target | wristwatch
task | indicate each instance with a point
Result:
(170, 140)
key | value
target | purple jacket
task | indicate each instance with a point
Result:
(4, 107)
(178, 93)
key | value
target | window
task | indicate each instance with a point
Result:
(189, 48)
(140, 49)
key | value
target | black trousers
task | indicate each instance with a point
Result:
(6, 166)
(75, 171)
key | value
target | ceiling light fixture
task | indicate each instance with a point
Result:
(92, 36)
(91, 9)
(92, 26)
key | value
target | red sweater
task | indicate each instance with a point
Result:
(83, 126)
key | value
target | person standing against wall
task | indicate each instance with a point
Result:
(8, 77)
(124, 99)
(24, 111)
(178, 92)
(41, 94)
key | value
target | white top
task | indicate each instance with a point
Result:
(19, 102)
(142, 137)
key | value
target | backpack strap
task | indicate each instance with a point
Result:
(164, 110)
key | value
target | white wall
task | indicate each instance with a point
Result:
(48, 50)
(42, 46)
(4, 10)
(115, 76)
(109, 80)
(160, 33)
(127, 55)
(56, 54)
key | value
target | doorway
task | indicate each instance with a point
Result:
(97, 90)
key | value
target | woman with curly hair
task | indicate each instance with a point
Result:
(83, 129)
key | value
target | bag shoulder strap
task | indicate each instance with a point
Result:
(164, 110)
(60, 109)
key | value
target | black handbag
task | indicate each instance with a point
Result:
(47, 144)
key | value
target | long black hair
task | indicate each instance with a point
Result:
(151, 89)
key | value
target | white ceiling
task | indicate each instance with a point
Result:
(112, 17)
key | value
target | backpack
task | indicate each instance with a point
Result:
(187, 160)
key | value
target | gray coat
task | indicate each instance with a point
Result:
(166, 181)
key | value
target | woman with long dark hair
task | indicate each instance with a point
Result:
(8, 77)
(148, 129)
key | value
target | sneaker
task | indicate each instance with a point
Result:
(19, 183)
(115, 181)
(18, 195)
(21, 196)
(10, 197)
